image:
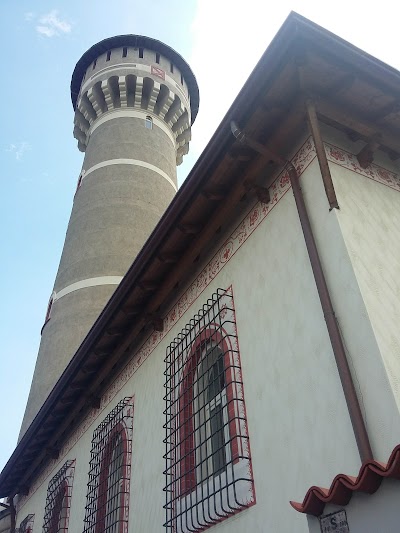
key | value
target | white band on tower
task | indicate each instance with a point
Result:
(132, 113)
(136, 162)
(84, 283)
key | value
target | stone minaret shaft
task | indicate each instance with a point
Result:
(135, 100)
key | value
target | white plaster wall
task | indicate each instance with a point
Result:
(300, 432)
(374, 389)
(369, 513)
(297, 418)
(370, 221)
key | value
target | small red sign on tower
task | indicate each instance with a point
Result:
(157, 72)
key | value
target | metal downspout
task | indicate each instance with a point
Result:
(321, 154)
(353, 405)
(13, 515)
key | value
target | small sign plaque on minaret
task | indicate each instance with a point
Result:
(158, 72)
(335, 522)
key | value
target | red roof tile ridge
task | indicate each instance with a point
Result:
(343, 486)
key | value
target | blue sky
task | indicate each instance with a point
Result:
(42, 40)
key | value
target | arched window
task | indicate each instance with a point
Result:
(48, 311)
(210, 412)
(111, 496)
(79, 183)
(205, 443)
(58, 501)
(109, 475)
(26, 525)
(49, 308)
(149, 123)
(59, 515)
(208, 464)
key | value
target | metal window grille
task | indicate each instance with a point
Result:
(58, 501)
(26, 526)
(208, 475)
(107, 501)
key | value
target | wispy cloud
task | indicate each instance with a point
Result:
(19, 149)
(46, 30)
(50, 24)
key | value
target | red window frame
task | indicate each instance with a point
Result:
(58, 499)
(119, 422)
(105, 475)
(61, 502)
(26, 525)
(208, 475)
(186, 419)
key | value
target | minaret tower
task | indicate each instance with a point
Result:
(135, 100)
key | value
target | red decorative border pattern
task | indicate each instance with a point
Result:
(374, 172)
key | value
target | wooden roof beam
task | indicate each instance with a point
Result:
(132, 311)
(366, 155)
(52, 452)
(93, 401)
(168, 258)
(189, 229)
(115, 332)
(262, 193)
(155, 320)
(362, 126)
(389, 109)
(341, 85)
(148, 285)
(215, 193)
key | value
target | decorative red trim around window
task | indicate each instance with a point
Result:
(186, 418)
(105, 474)
(60, 504)
(208, 462)
(107, 501)
(26, 525)
(58, 500)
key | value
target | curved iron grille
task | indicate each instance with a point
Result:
(58, 500)
(208, 475)
(26, 525)
(107, 501)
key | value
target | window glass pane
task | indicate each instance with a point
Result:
(217, 440)
(113, 485)
(216, 374)
(63, 514)
(149, 123)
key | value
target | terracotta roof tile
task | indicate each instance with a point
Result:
(342, 487)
